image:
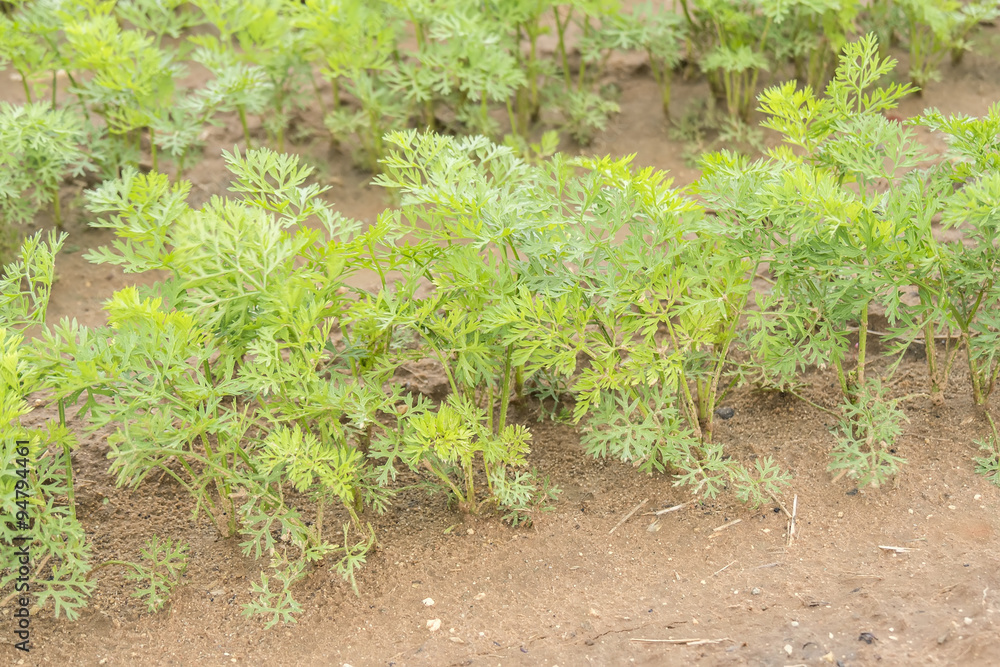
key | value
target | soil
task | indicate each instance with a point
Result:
(905, 574)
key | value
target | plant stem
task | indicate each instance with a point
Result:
(243, 122)
(67, 452)
(152, 149)
(444, 478)
(932, 366)
(470, 484)
(862, 347)
(561, 30)
(514, 124)
(842, 378)
(57, 209)
(504, 391)
(532, 73)
(489, 410)
(27, 89)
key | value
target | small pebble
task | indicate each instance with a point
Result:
(968, 621)
(788, 649)
(428, 602)
(725, 412)
(755, 591)
(434, 624)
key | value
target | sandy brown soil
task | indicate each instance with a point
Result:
(568, 591)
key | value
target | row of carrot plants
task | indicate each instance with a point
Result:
(106, 83)
(260, 383)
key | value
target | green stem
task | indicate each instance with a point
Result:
(27, 89)
(67, 452)
(222, 487)
(470, 484)
(504, 390)
(489, 410)
(243, 123)
(57, 209)
(561, 31)
(533, 74)
(862, 348)
(664, 77)
(687, 15)
(996, 436)
(484, 110)
(842, 378)
(152, 149)
(932, 366)
(513, 120)
(444, 478)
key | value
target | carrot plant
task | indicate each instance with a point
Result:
(582, 101)
(40, 146)
(968, 275)
(160, 18)
(353, 42)
(524, 20)
(464, 201)
(812, 36)
(732, 47)
(25, 50)
(662, 309)
(159, 571)
(265, 34)
(582, 270)
(841, 214)
(346, 37)
(464, 63)
(661, 35)
(379, 110)
(128, 80)
(36, 469)
(936, 29)
(224, 376)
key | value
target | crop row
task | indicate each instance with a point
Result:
(268, 389)
(456, 65)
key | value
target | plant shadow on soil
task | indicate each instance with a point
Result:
(566, 591)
